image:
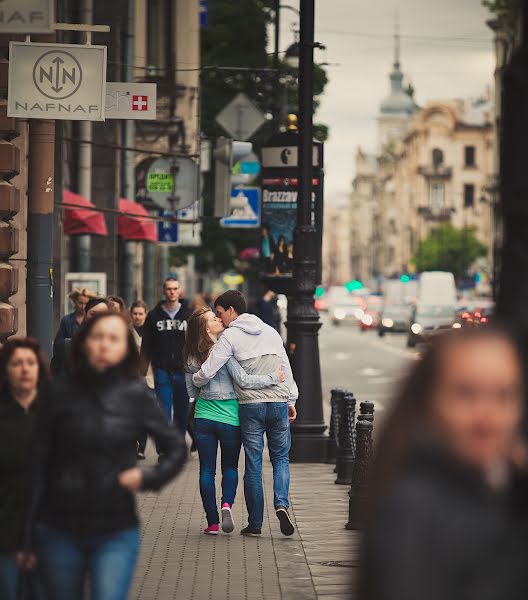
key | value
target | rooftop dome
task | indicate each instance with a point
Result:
(398, 102)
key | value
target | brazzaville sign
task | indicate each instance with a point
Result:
(56, 81)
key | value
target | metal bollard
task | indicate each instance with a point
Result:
(359, 489)
(345, 438)
(366, 411)
(331, 448)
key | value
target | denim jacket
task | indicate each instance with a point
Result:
(221, 386)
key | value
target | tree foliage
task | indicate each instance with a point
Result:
(507, 10)
(449, 249)
(236, 36)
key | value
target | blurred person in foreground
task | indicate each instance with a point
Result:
(138, 314)
(23, 373)
(447, 510)
(85, 472)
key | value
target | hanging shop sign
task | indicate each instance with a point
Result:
(56, 81)
(130, 101)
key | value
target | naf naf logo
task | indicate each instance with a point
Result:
(171, 325)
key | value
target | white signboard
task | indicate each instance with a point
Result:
(130, 100)
(27, 16)
(284, 156)
(56, 81)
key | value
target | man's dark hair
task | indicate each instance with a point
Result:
(232, 298)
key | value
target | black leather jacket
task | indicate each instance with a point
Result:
(86, 435)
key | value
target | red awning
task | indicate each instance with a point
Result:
(79, 221)
(133, 228)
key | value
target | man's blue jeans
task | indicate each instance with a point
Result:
(66, 560)
(173, 398)
(255, 419)
(207, 435)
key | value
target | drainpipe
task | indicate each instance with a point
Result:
(40, 232)
(129, 172)
(83, 243)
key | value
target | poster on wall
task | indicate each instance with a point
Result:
(279, 217)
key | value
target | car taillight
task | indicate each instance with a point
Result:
(477, 315)
(466, 315)
(484, 320)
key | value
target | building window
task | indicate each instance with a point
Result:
(469, 195)
(469, 156)
(438, 157)
(158, 37)
(437, 199)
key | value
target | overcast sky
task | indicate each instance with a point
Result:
(447, 52)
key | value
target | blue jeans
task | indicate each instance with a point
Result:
(255, 419)
(108, 561)
(11, 582)
(207, 435)
(172, 397)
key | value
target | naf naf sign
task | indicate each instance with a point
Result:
(130, 101)
(27, 16)
(56, 81)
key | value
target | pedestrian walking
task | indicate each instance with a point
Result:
(259, 350)
(61, 352)
(71, 322)
(162, 347)
(447, 509)
(23, 374)
(216, 420)
(138, 313)
(85, 471)
(117, 304)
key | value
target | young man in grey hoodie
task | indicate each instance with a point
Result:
(260, 350)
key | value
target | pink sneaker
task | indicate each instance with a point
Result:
(212, 529)
(227, 518)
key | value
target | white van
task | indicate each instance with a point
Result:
(437, 288)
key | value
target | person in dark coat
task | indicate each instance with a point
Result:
(447, 511)
(85, 472)
(23, 373)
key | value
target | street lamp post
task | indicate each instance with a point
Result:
(308, 439)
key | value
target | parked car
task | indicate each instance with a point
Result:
(474, 313)
(349, 309)
(429, 320)
(394, 318)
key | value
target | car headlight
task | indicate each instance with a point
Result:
(359, 314)
(367, 320)
(387, 322)
(457, 325)
(339, 314)
(416, 328)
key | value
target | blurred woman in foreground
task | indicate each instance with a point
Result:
(23, 371)
(447, 509)
(86, 473)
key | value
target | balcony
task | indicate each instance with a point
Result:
(435, 172)
(437, 214)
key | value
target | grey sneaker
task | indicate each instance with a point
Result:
(227, 518)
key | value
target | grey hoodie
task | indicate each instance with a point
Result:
(260, 350)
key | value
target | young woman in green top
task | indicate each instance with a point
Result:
(216, 416)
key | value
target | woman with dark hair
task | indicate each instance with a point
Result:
(23, 372)
(86, 473)
(117, 303)
(216, 419)
(446, 517)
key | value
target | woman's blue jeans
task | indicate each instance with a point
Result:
(107, 561)
(207, 435)
(13, 581)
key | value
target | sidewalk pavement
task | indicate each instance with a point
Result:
(178, 562)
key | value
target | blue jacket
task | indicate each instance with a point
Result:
(221, 385)
(68, 328)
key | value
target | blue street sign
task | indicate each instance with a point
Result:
(204, 14)
(245, 208)
(167, 231)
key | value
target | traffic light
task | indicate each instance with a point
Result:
(353, 286)
(405, 278)
(226, 154)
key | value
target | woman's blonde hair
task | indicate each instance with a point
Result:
(198, 344)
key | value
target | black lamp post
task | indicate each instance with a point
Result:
(308, 439)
